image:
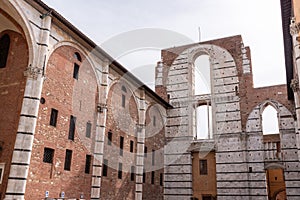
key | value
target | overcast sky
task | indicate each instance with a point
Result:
(258, 21)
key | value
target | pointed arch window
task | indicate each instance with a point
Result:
(4, 50)
(202, 77)
(270, 123)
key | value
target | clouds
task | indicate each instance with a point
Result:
(258, 22)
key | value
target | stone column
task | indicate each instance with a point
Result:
(100, 135)
(294, 30)
(141, 132)
(28, 117)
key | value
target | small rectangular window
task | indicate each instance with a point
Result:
(1, 171)
(109, 138)
(152, 177)
(88, 160)
(68, 160)
(206, 197)
(161, 179)
(120, 171)
(145, 151)
(53, 117)
(132, 173)
(144, 176)
(203, 167)
(153, 157)
(121, 145)
(131, 146)
(72, 127)
(154, 120)
(48, 155)
(123, 100)
(105, 167)
(88, 129)
(76, 71)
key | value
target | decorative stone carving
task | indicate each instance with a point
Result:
(101, 107)
(295, 84)
(32, 72)
(294, 27)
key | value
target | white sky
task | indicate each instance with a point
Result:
(258, 21)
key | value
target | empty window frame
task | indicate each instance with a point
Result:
(53, 117)
(161, 179)
(121, 145)
(76, 71)
(72, 127)
(120, 171)
(48, 155)
(132, 173)
(153, 157)
(152, 177)
(4, 50)
(144, 176)
(203, 167)
(145, 151)
(77, 56)
(88, 160)
(88, 129)
(109, 137)
(124, 90)
(131, 146)
(105, 167)
(270, 123)
(68, 160)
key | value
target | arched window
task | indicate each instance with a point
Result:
(270, 120)
(4, 50)
(204, 122)
(77, 56)
(124, 90)
(202, 75)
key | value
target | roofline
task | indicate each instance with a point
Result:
(92, 44)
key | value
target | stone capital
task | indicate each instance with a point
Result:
(295, 85)
(294, 27)
(33, 72)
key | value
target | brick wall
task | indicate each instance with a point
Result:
(70, 97)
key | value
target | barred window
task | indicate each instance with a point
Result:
(48, 155)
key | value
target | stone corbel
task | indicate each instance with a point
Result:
(295, 84)
(294, 27)
(32, 72)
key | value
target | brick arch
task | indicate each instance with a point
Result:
(12, 86)
(16, 15)
(254, 121)
(131, 107)
(86, 55)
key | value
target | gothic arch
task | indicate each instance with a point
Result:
(285, 117)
